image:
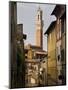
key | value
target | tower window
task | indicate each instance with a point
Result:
(38, 17)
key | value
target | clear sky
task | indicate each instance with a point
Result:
(26, 15)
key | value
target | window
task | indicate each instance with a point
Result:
(58, 53)
(38, 17)
(57, 35)
(62, 26)
(59, 29)
(60, 33)
(58, 57)
(62, 54)
(60, 77)
(26, 57)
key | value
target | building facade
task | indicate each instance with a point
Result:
(51, 58)
(63, 46)
(34, 57)
(13, 49)
(57, 41)
(20, 56)
(17, 55)
(60, 42)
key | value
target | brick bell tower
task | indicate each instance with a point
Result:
(39, 29)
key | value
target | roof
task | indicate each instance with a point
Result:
(32, 46)
(63, 15)
(49, 28)
(55, 9)
(37, 49)
(58, 8)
